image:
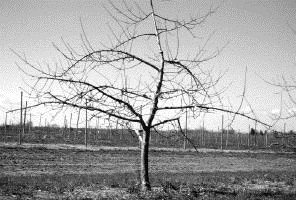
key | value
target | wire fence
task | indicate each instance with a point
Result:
(201, 138)
(25, 132)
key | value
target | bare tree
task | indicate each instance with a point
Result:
(147, 75)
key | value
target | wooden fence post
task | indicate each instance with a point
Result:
(185, 138)
(21, 121)
(98, 129)
(203, 134)
(25, 116)
(29, 131)
(217, 136)
(249, 136)
(70, 125)
(65, 128)
(40, 121)
(121, 134)
(238, 139)
(110, 130)
(255, 134)
(118, 131)
(5, 130)
(221, 145)
(266, 139)
(285, 141)
(85, 132)
(45, 126)
(227, 137)
(76, 133)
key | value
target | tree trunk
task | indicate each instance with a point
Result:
(145, 183)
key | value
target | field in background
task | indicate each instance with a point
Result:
(170, 139)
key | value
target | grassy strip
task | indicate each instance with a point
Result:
(63, 149)
(216, 185)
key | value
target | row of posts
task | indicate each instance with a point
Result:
(22, 125)
(23, 121)
(222, 135)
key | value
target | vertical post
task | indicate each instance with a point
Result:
(185, 138)
(5, 131)
(266, 139)
(167, 133)
(85, 131)
(117, 127)
(203, 134)
(21, 120)
(64, 128)
(45, 126)
(76, 133)
(217, 137)
(222, 132)
(110, 129)
(25, 116)
(30, 123)
(227, 137)
(238, 139)
(249, 135)
(97, 129)
(284, 135)
(255, 133)
(40, 121)
(70, 125)
(121, 132)
(65, 122)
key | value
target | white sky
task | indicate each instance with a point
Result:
(259, 37)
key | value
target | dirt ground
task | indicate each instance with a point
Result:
(61, 159)
(25, 163)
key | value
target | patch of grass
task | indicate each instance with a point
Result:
(58, 184)
(216, 185)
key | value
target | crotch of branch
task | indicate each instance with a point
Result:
(139, 133)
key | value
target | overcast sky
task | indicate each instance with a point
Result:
(257, 31)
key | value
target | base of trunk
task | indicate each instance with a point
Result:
(145, 187)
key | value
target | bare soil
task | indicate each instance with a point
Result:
(62, 159)
(38, 160)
